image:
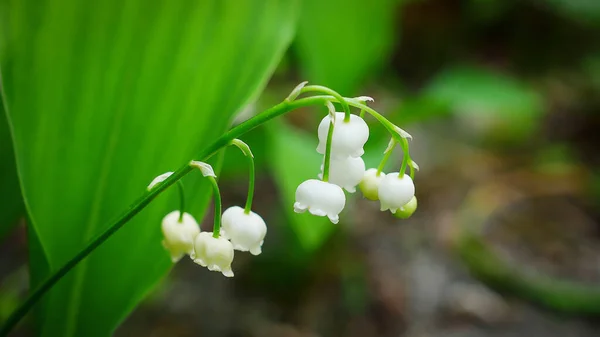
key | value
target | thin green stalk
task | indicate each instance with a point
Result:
(248, 153)
(327, 160)
(218, 207)
(385, 158)
(145, 199)
(327, 91)
(181, 200)
(405, 159)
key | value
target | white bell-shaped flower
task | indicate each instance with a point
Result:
(245, 231)
(395, 192)
(348, 138)
(214, 253)
(320, 198)
(369, 185)
(345, 172)
(179, 236)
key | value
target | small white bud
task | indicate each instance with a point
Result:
(159, 180)
(320, 198)
(413, 165)
(369, 185)
(395, 192)
(205, 168)
(346, 173)
(179, 236)
(348, 138)
(245, 231)
(214, 253)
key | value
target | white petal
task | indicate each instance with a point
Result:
(394, 192)
(320, 198)
(346, 172)
(348, 137)
(245, 231)
(205, 168)
(159, 179)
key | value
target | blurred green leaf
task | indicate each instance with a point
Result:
(11, 206)
(294, 159)
(587, 11)
(487, 101)
(340, 42)
(104, 96)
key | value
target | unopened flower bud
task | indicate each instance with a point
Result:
(369, 185)
(407, 210)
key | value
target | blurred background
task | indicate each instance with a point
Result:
(502, 98)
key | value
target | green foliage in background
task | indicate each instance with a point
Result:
(489, 102)
(102, 97)
(11, 206)
(340, 42)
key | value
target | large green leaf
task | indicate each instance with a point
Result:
(294, 159)
(103, 96)
(11, 206)
(340, 41)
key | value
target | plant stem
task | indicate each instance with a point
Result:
(325, 90)
(385, 158)
(218, 207)
(248, 153)
(405, 159)
(181, 200)
(327, 160)
(145, 199)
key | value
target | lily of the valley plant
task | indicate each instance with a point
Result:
(341, 137)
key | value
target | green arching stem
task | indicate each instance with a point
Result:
(181, 200)
(362, 113)
(147, 197)
(248, 153)
(327, 160)
(389, 126)
(327, 91)
(218, 206)
(385, 158)
(412, 172)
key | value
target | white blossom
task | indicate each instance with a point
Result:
(395, 192)
(369, 185)
(214, 253)
(320, 198)
(245, 231)
(346, 172)
(348, 138)
(179, 236)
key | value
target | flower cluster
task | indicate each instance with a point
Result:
(236, 229)
(342, 136)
